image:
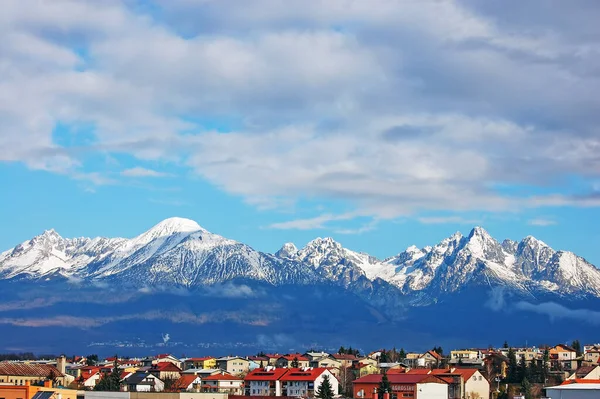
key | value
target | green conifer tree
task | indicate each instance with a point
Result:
(325, 391)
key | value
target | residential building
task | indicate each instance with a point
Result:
(273, 358)
(223, 383)
(386, 367)
(592, 355)
(327, 362)
(575, 389)
(473, 385)
(165, 357)
(202, 373)
(314, 356)
(413, 386)
(366, 369)
(206, 362)
(305, 381)
(142, 381)
(27, 391)
(188, 383)
(233, 364)
(261, 361)
(411, 359)
(563, 357)
(19, 373)
(586, 373)
(430, 359)
(265, 381)
(289, 360)
(345, 359)
(166, 371)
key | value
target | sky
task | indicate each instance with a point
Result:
(381, 123)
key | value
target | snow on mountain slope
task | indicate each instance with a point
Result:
(179, 251)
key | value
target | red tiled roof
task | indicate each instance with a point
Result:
(309, 374)
(395, 378)
(419, 371)
(396, 371)
(28, 369)
(166, 366)
(185, 381)
(162, 356)
(222, 377)
(264, 375)
(465, 373)
(435, 354)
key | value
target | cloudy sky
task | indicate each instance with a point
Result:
(382, 123)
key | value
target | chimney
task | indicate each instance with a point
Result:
(61, 364)
(386, 395)
(375, 395)
(47, 384)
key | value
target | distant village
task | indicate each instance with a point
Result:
(558, 372)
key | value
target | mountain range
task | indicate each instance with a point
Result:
(177, 264)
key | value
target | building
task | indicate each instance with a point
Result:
(313, 356)
(345, 359)
(165, 357)
(404, 386)
(430, 359)
(233, 364)
(166, 371)
(27, 391)
(305, 381)
(586, 373)
(202, 373)
(188, 383)
(563, 357)
(142, 381)
(366, 369)
(289, 360)
(592, 355)
(471, 383)
(206, 362)
(223, 383)
(19, 373)
(265, 381)
(575, 389)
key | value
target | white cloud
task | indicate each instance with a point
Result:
(542, 222)
(393, 112)
(142, 172)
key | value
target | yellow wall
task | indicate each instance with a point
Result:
(209, 364)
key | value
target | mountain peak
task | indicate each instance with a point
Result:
(479, 231)
(176, 225)
(324, 243)
(288, 250)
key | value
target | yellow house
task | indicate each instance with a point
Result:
(366, 369)
(31, 373)
(205, 363)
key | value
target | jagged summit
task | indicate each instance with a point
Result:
(179, 251)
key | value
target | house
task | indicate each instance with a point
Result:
(142, 381)
(430, 359)
(305, 381)
(405, 385)
(575, 389)
(289, 360)
(366, 369)
(261, 361)
(223, 383)
(592, 355)
(265, 381)
(473, 385)
(202, 373)
(496, 365)
(313, 356)
(563, 357)
(165, 357)
(19, 373)
(345, 359)
(166, 371)
(272, 358)
(188, 383)
(586, 373)
(233, 364)
(411, 359)
(206, 362)
(27, 391)
(386, 367)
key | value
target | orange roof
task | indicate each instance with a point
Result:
(221, 377)
(185, 381)
(296, 356)
(465, 373)
(435, 354)
(396, 371)
(418, 371)
(28, 369)
(580, 381)
(272, 374)
(343, 356)
(166, 366)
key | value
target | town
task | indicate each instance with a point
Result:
(557, 372)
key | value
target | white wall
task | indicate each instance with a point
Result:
(332, 380)
(477, 387)
(432, 390)
(573, 393)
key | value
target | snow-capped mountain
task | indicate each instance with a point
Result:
(180, 252)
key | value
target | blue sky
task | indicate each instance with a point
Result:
(381, 123)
